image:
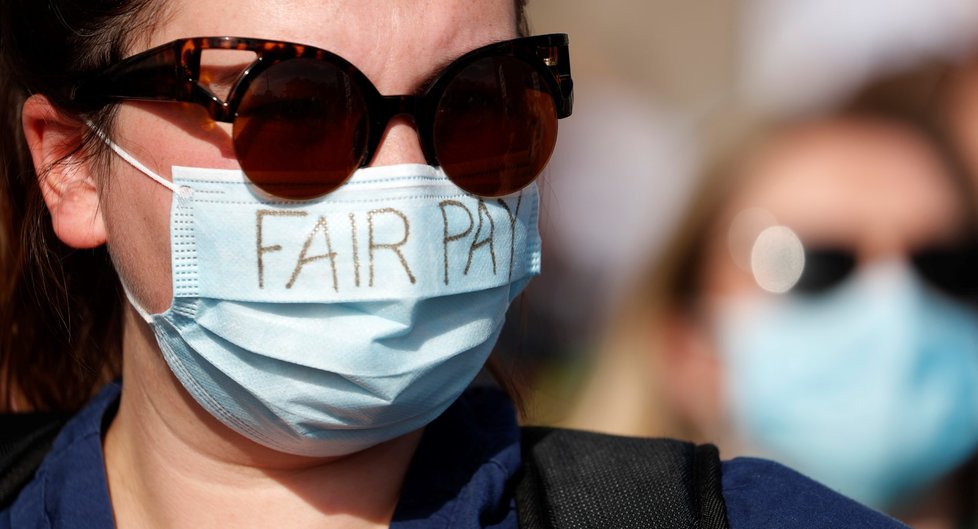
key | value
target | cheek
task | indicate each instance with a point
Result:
(136, 212)
(136, 209)
(162, 135)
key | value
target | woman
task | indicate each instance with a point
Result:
(308, 295)
(818, 308)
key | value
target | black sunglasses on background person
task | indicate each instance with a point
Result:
(951, 268)
(304, 119)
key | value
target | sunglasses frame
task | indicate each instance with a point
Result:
(171, 72)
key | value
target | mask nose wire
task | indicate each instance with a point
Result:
(131, 159)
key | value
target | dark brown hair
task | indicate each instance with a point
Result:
(60, 309)
(522, 22)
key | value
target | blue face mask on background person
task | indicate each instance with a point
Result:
(326, 326)
(871, 388)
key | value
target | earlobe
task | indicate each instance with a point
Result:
(65, 177)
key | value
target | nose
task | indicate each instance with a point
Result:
(400, 144)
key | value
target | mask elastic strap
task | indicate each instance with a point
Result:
(132, 160)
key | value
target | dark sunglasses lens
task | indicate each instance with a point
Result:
(953, 270)
(495, 126)
(301, 128)
(825, 268)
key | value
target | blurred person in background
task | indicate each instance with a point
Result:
(652, 78)
(817, 306)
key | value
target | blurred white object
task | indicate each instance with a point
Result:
(801, 55)
(778, 259)
(618, 180)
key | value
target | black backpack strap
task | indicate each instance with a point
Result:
(25, 439)
(583, 480)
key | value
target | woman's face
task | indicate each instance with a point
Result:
(871, 188)
(397, 44)
(874, 189)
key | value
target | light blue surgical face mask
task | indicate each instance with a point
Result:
(326, 326)
(871, 388)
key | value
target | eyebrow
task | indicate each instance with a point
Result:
(432, 77)
(443, 65)
(224, 76)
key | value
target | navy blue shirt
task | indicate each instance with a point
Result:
(460, 478)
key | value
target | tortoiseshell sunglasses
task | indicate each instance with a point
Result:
(305, 119)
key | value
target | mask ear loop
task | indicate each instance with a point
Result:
(131, 159)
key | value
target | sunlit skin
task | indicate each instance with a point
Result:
(169, 463)
(872, 187)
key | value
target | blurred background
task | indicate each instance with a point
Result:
(690, 112)
(660, 86)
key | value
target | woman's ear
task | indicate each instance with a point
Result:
(64, 174)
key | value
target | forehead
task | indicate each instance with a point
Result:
(861, 183)
(394, 42)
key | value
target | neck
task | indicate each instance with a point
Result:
(170, 463)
